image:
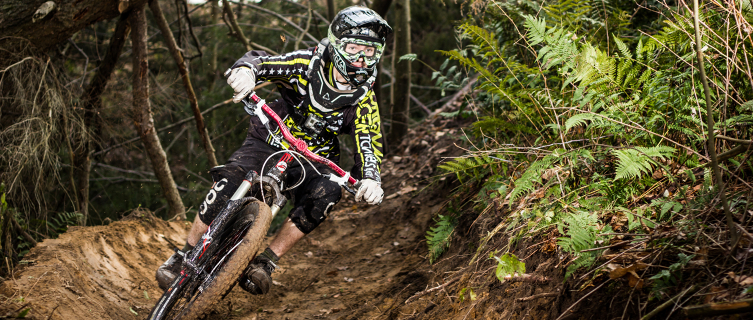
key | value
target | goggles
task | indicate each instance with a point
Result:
(352, 49)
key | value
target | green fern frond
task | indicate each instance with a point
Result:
(531, 176)
(438, 237)
(578, 119)
(581, 231)
(634, 163)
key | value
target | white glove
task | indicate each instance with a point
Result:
(370, 191)
(243, 81)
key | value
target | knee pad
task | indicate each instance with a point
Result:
(314, 203)
(226, 181)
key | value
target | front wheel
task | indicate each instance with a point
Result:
(190, 298)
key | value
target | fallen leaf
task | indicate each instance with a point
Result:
(618, 272)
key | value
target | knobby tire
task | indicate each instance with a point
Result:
(222, 280)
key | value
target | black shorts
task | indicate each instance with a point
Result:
(313, 198)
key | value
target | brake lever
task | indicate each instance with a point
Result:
(341, 181)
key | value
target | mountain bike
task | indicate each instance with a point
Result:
(235, 236)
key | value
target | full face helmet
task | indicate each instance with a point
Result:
(357, 33)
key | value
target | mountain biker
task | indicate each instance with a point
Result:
(326, 91)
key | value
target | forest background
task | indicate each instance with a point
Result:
(589, 121)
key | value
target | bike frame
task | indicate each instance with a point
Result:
(259, 108)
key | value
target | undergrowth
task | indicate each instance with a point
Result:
(602, 136)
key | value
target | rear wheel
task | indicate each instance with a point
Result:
(190, 297)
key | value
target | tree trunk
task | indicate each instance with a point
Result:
(381, 6)
(331, 9)
(45, 30)
(142, 114)
(178, 57)
(213, 68)
(402, 71)
(91, 105)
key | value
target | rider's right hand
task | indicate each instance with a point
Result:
(242, 80)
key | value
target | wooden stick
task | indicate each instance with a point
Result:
(668, 303)
(526, 278)
(723, 137)
(720, 308)
(455, 97)
(427, 291)
(536, 296)
(420, 104)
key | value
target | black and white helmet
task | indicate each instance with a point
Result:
(357, 32)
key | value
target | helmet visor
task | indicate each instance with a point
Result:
(353, 49)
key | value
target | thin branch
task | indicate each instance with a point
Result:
(278, 16)
(212, 108)
(316, 13)
(183, 69)
(455, 97)
(730, 139)
(420, 104)
(668, 303)
(308, 25)
(139, 173)
(427, 291)
(719, 186)
(15, 64)
(190, 30)
(537, 296)
(124, 179)
(237, 32)
(85, 64)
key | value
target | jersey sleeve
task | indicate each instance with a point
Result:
(367, 135)
(289, 68)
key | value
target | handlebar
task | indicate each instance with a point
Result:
(259, 107)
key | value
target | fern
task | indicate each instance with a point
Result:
(531, 176)
(581, 230)
(475, 167)
(578, 119)
(634, 163)
(438, 237)
(63, 220)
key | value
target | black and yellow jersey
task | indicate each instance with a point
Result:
(319, 128)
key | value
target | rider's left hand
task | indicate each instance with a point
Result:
(370, 191)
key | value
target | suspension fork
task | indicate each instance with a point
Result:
(273, 180)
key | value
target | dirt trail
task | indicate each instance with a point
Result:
(351, 267)
(102, 272)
